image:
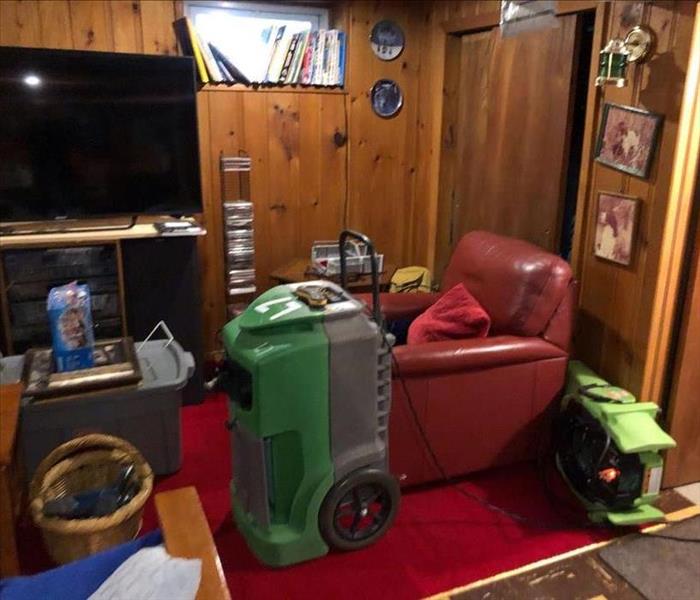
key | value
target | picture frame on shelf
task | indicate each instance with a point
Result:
(627, 139)
(616, 227)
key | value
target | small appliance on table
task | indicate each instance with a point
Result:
(308, 374)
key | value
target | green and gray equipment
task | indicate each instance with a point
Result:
(308, 374)
(608, 448)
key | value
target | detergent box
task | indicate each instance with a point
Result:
(71, 327)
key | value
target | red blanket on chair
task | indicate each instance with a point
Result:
(457, 315)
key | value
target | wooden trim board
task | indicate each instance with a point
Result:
(187, 535)
(239, 87)
(680, 203)
(674, 517)
(142, 229)
(492, 19)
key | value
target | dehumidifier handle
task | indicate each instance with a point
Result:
(344, 235)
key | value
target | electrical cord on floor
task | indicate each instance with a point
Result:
(438, 466)
(454, 484)
(672, 538)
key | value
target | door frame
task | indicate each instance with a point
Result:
(445, 38)
(675, 236)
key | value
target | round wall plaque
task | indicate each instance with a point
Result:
(386, 98)
(387, 40)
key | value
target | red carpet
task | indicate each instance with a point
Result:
(440, 540)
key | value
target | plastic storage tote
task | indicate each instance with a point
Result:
(147, 415)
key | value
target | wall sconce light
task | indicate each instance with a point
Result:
(616, 55)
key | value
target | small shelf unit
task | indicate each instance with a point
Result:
(239, 242)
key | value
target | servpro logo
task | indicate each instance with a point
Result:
(288, 305)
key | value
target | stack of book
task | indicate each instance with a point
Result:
(307, 58)
(212, 65)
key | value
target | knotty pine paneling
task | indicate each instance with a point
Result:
(116, 25)
(383, 154)
(616, 301)
(298, 184)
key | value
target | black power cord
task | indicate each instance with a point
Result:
(447, 479)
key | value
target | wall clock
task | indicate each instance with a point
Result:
(386, 98)
(387, 40)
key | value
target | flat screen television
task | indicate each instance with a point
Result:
(95, 134)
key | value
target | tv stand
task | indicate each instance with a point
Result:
(137, 277)
(68, 226)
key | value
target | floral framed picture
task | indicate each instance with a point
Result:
(616, 225)
(627, 139)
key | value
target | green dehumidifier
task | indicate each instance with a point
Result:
(608, 449)
(308, 374)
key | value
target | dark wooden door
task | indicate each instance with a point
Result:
(508, 133)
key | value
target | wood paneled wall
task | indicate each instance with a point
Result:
(298, 177)
(615, 301)
(108, 25)
(384, 154)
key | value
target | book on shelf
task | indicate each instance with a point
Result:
(235, 73)
(186, 37)
(288, 60)
(279, 53)
(211, 64)
(307, 58)
(307, 66)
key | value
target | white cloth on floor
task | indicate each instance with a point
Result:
(152, 574)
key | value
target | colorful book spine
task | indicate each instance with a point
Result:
(201, 67)
(215, 74)
(295, 73)
(276, 58)
(318, 59)
(288, 59)
(307, 69)
(341, 58)
(325, 59)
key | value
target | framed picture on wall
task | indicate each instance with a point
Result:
(616, 225)
(627, 139)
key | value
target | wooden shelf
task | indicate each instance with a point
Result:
(144, 228)
(279, 89)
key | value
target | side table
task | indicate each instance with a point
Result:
(9, 490)
(297, 271)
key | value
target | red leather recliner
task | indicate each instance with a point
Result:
(482, 402)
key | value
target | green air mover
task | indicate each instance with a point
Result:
(308, 374)
(608, 449)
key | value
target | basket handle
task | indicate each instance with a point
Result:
(75, 446)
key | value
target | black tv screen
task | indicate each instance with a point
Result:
(93, 134)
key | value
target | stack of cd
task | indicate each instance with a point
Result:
(239, 248)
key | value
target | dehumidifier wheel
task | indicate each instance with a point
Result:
(358, 510)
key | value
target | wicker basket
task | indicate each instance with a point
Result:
(84, 463)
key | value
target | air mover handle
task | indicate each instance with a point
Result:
(344, 235)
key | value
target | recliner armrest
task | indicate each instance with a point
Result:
(401, 306)
(439, 358)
